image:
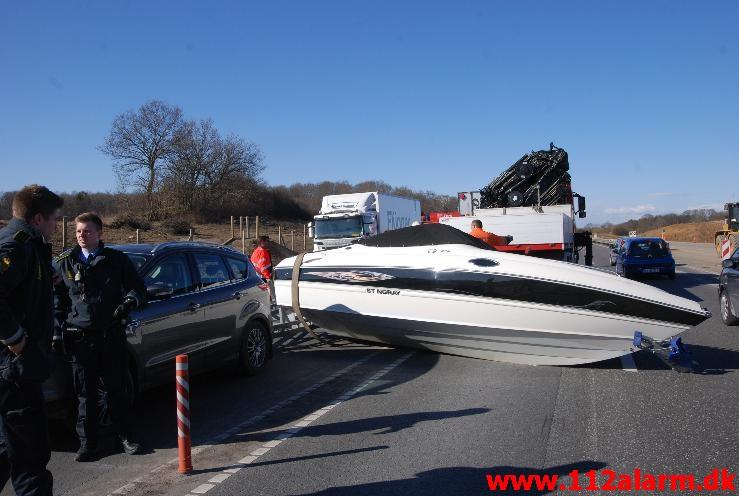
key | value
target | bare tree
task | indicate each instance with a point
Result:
(207, 173)
(139, 142)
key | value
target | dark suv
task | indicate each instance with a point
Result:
(204, 300)
(728, 289)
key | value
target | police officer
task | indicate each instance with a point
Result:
(26, 327)
(99, 287)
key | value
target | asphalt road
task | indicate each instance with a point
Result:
(356, 419)
(700, 257)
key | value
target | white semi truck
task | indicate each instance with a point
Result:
(344, 219)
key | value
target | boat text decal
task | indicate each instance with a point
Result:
(353, 276)
(391, 292)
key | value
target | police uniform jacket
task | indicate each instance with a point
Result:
(25, 285)
(92, 290)
(26, 302)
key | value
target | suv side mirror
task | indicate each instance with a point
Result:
(159, 292)
(728, 263)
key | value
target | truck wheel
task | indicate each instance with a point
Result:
(727, 313)
(254, 348)
(717, 242)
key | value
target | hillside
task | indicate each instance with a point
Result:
(212, 233)
(697, 232)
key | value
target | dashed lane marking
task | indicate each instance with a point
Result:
(209, 443)
(307, 420)
(203, 488)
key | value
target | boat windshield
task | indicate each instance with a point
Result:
(649, 248)
(338, 227)
(425, 235)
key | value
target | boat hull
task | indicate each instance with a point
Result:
(466, 301)
(491, 329)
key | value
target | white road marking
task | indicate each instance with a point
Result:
(628, 364)
(203, 488)
(250, 421)
(219, 478)
(307, 420)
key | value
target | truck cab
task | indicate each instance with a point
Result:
(344, 219)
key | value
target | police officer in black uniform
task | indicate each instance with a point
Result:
(100, 286)
(26, 327)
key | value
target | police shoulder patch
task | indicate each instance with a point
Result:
(4, 263)
(21, 236)
(63, 255)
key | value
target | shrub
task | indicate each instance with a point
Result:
(130, 222)
(176, 226)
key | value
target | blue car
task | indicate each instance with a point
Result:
(641, 256)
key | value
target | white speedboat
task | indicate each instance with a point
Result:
(436, 288)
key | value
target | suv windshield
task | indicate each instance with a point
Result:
(138, 259)
(341, 227)
(650, 248)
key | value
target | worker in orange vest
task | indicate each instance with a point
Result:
(261, 258)
(490, 238)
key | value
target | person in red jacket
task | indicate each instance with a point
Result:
(490, 238)
(261, 258)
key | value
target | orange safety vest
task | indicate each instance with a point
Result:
(489, 238)
(262, 260)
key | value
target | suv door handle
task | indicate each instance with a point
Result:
(193, 306)
(237, 295)
(132, 327)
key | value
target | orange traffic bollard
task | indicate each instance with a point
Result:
(183, 414)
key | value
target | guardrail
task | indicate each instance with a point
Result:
(604, 241)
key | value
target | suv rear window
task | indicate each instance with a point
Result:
(212, 269)
(648, 249)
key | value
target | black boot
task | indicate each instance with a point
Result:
(86, 453)
(130, 447)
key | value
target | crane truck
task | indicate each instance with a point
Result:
(533, 202)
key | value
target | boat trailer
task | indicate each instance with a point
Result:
(670, 351)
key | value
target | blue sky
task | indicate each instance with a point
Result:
(434, 95)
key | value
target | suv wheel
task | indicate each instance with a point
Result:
(727, 314)
(254, 348)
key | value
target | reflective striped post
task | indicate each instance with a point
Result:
(183, 414)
